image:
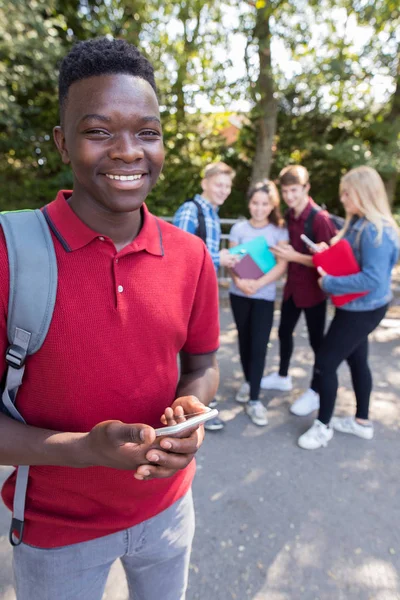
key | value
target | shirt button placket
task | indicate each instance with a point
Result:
(119, 286)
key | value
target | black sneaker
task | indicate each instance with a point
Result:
(214, 424)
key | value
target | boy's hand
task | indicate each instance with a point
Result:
(321, 247)
(185, 405)
(119, 445)
(226, 259)
(174, 453)
(285, 252)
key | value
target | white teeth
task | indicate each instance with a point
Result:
(124, 177)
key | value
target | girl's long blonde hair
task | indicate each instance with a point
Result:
(367, 191)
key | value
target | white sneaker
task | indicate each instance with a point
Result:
(257, 413)
(318, 435)
(243, 394)
(350, 425)
(305, 404)
(274, 381)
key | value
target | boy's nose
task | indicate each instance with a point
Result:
(126, 148)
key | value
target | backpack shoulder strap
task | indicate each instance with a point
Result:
(32, 294)
(33, 276)
(201, 228)
(309, 223)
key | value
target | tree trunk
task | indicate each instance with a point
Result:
(394, 119)
(189, 45)
(266, 128)
(267, 107)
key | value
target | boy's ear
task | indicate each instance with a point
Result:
(203, 184)
(307, 187)
(59, 139)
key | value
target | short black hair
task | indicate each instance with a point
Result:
(101, 56)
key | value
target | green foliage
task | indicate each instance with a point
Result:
(328, 118)
(187, 153)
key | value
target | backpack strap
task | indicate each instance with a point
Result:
(33, 288)
(309, 223)
(201, 231)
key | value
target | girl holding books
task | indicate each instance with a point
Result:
(374, 237)
(252, 300)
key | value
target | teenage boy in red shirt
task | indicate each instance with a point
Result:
(302, 292)
(133, 293)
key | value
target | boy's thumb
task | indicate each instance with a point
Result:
(137, 433)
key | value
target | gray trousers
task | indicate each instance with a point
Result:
(155, 555)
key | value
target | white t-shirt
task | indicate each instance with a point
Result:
(244, 232)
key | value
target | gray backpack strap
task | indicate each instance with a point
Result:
(33, 288)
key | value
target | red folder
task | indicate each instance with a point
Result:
(339, 260)
(247, 268)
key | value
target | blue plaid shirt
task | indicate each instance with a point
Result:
(186, 218)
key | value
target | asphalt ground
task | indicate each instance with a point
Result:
(275, 522)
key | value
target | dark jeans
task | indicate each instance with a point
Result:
(347, 339)
(315, 319)
(253, 320)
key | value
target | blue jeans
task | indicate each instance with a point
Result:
(155, 555)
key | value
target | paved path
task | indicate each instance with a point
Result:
(278, 523)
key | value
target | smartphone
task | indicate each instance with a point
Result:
(191, 422)
(309, 243)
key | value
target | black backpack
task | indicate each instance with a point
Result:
(337, 222)
(201, 230)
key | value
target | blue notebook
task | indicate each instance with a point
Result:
(259, 251)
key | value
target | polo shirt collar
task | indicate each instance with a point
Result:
(73, 234)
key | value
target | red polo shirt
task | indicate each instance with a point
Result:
(302, 282)
(120, 320)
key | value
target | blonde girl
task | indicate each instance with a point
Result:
(374, 237)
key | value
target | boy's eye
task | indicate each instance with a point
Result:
(98, 132)
(150, 133)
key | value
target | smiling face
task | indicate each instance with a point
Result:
(295, 196)
(216, 188)
(260, 207)
(111, 135)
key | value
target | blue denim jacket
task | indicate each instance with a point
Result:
(376, 263)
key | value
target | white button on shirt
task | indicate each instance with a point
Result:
(101, 238)
(120, 288)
